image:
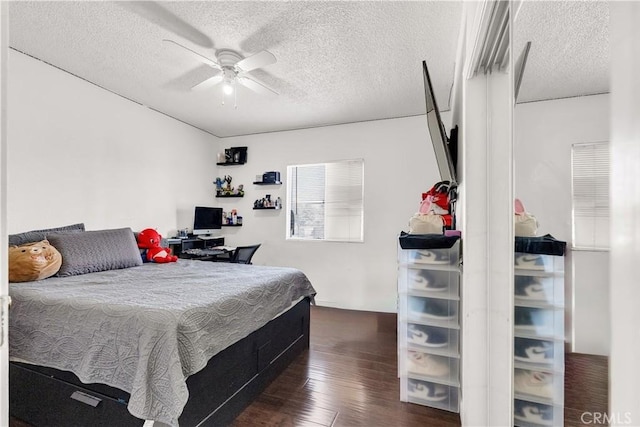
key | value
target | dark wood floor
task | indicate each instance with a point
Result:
(349, 378)
(586, 388)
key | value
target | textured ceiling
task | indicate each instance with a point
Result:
(337, 62)
(569, 53)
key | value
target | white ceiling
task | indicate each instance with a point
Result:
(569, 53)
(337, 62)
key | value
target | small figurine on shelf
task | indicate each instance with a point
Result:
(218, 183)
(268, 202)
(240, 190)
(228, 189)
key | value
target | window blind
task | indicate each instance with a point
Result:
(326, 201)
(590, 195)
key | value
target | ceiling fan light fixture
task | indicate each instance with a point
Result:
(227, 88)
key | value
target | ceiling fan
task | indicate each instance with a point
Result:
(234, 69)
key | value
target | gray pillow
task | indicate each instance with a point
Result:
(92, 251)
(38, 235)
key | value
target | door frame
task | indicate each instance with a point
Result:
(4, 285)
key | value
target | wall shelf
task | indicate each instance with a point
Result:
(230, 195)
(269, 207)
(233, 156)
(232, 225)
(230, 163)
(267, 183)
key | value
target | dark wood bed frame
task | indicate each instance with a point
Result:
(217, 394)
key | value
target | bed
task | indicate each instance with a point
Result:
(188, 343)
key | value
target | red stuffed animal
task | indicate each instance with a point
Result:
(149, 239)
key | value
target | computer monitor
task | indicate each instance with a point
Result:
(206, 220)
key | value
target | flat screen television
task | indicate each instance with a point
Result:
(206, 220)
(446, 149)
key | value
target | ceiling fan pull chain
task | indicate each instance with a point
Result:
(235, 93)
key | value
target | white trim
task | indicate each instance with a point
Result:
(4, 286)
(500, 242)
(486, 213)
(586, 249)
(624, 369)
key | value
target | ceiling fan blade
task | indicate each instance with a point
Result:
(258, 60)
(201, 58)
(256, 86)
(209, 83)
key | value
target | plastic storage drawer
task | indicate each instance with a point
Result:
(430, 311)
(531, 288)
(436, 283)
(430, 367)
(538, 353)
(433, 258)
(539, 322)
(532, 414)
(430, 394)
(538, 386)
(538, 262)
(431, 339)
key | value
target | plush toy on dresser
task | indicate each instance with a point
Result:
(149, 240)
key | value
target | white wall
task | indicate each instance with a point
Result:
(544, 133)
(399, 165)
(78, 153)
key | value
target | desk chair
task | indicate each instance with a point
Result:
(243, 254)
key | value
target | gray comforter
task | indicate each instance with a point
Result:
(146, 329)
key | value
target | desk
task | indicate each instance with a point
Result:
(213, 253)
(179, 246)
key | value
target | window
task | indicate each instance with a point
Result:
(590, 195)
(325, 201)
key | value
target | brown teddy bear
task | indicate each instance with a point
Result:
(33, 261)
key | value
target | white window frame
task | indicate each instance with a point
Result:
(359, 238)
(590, 169)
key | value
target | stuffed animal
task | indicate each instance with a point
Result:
(149, 239)
(437, 201)
(33, 261)
(525, 224)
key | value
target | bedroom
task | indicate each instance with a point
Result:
(137, 144)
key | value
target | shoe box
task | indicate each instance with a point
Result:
(531, 288)
(536, 385)
(538, 262)
(536, 414)
(539, 353)
(431, 257)
(431, 311)
(434, 339)
(433, 394)
(428, 282)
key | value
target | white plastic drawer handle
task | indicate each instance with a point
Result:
(85, 398)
